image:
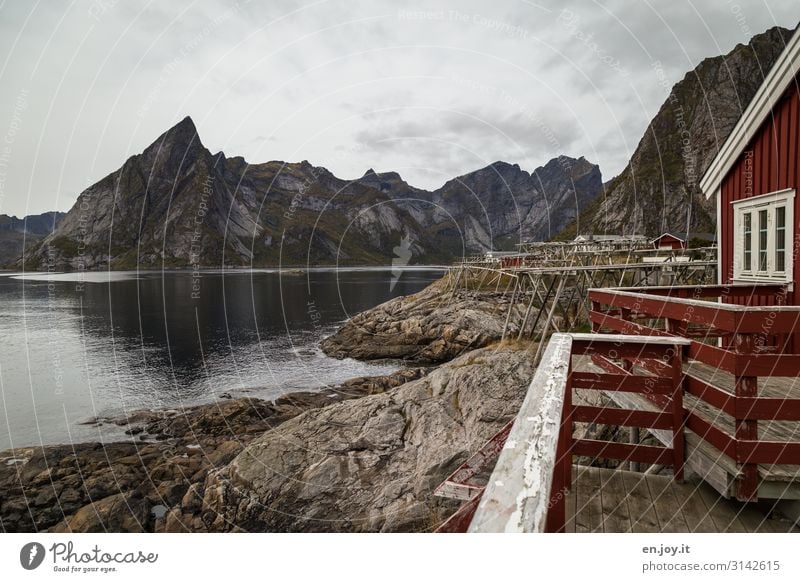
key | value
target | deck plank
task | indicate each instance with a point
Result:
(755, 522)
(640, 503)
(616, 516)
(668, 509)
(725, 516)
(656, 503)
(589, 508)
(571, 504)
(693, 508)
(776, 526)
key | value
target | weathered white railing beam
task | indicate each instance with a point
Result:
(517, 496)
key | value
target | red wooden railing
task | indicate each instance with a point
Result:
(460, 484)
(614, 354)
(749, 336)
(743, 330)
(528, 487)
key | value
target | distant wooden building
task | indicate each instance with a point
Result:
(755, 177)
(669, 241)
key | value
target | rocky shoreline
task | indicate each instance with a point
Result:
(82, 487)
(362, 456)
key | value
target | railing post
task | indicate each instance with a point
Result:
(633, 432)
(566, 431)
(677, 327)
(746, 386)
(562, 470)
(595, 306)
(678, 420)
(520, 492)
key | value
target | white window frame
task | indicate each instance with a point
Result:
(753, 205)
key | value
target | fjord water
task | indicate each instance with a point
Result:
(78, 346)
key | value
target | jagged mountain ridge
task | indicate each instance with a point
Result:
(177, 204)
(17, 233)
(537, 206)
(659, 189)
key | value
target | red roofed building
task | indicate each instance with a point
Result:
(755, 178)
(669, 241)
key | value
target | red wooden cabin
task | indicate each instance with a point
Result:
(669, 241)
(511, 262)
(755, 178)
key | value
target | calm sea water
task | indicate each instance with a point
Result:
(76, 346)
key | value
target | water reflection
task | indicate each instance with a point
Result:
(72, 348)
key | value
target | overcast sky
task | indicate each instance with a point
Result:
(429, 89)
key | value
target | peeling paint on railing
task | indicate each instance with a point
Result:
(518, 494)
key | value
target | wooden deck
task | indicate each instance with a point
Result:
(685, 485)
(770, 430)
(616, 501)
(706, 461)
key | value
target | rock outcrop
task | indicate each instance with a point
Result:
(365, 456)
(429, 327)
(370, 464)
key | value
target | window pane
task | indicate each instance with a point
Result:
(748, 241)
(762, 240)
(780, 238)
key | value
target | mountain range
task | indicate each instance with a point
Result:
(176, 204)
(17, 233)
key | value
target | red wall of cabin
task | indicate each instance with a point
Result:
(769, 163)
(670, 242)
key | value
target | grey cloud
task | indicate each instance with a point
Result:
(534, 134)
(435, 146)
(486, 60)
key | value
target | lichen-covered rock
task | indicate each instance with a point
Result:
(115, 513)
(114, 486)
(429, 327)
(371, 464)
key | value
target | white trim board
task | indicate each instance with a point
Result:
(790, 192)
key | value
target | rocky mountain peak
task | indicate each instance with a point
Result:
(503, 169)
(180, 144)
(567, 166)
(16, 233)
(176, 197)
(182, 133)
(659, 189)
(501, 205)
(500, 165)
(386, 182)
